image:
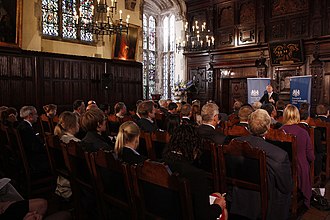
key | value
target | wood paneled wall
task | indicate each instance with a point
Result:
(243, 30)
(32, 78)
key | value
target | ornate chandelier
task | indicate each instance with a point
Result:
(197, 38)
(102, 22)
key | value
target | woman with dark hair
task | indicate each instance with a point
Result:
(183, 150)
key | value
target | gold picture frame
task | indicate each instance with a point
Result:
(11, 23)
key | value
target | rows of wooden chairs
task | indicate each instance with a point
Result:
(122, 191)
(16, 167)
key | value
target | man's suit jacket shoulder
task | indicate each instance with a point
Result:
(207, 132)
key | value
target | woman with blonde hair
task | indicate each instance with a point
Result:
(127, 143)
(305, 154)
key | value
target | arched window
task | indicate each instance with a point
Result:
(59, 19)
(168, 55)
(149, 55)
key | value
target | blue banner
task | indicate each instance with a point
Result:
(300, 90)
(256, 88)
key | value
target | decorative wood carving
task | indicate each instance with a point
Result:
(247, 12)
(277, 30)
(285, 7)
(298, 27)
(246, 36)
(225, 15)
(226, 38)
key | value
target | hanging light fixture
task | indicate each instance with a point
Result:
(197, 38)
(102, 22)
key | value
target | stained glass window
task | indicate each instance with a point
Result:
(165, 34)
(149, 56)
(168, 56)
(152, 33)
(145, 32)
(165, 76)
(50, 19)
(172, 33)
(59, 19)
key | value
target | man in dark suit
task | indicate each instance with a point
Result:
(186, 113)
(32, 143)
(322, 112)
(147, 112)
(270, 96)
(210, 119)
(243, 115)
(279, 175)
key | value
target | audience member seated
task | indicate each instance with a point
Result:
(322, 112)
(91, 104)
(172, 119)
(13, 206)
(147, 111)
(269, 96)
(136, 117)
(210, 118)
(9, 117)
(32, 142)
(163, 106)
(279, 172)
(127, 142)
(50, 110)
(66, 128)
(79, 107)
(196, 113)
(305, 152)
(94, 122)
(272, 113)
(185, 147)
(243, 115)
(318, 149)
(280, 105)
(186, 114)
(105, 108)
(115, 120)
(256, 105)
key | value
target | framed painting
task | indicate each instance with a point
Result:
(126, 44)
(11, 23)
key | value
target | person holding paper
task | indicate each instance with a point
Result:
(270, 96)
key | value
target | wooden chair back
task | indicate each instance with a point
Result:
(145, 145)
(159, 140)
(81, 180)
(160, 120)
(288, 143)
(113, 184)
(160, 194)
(236, 131)
(245, 167)
(55, 154)
(31, 183)
(46, 124)
(209, 163)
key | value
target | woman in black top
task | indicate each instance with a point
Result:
(127, 142)
(183, 150)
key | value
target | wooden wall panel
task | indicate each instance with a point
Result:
(41, 78)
